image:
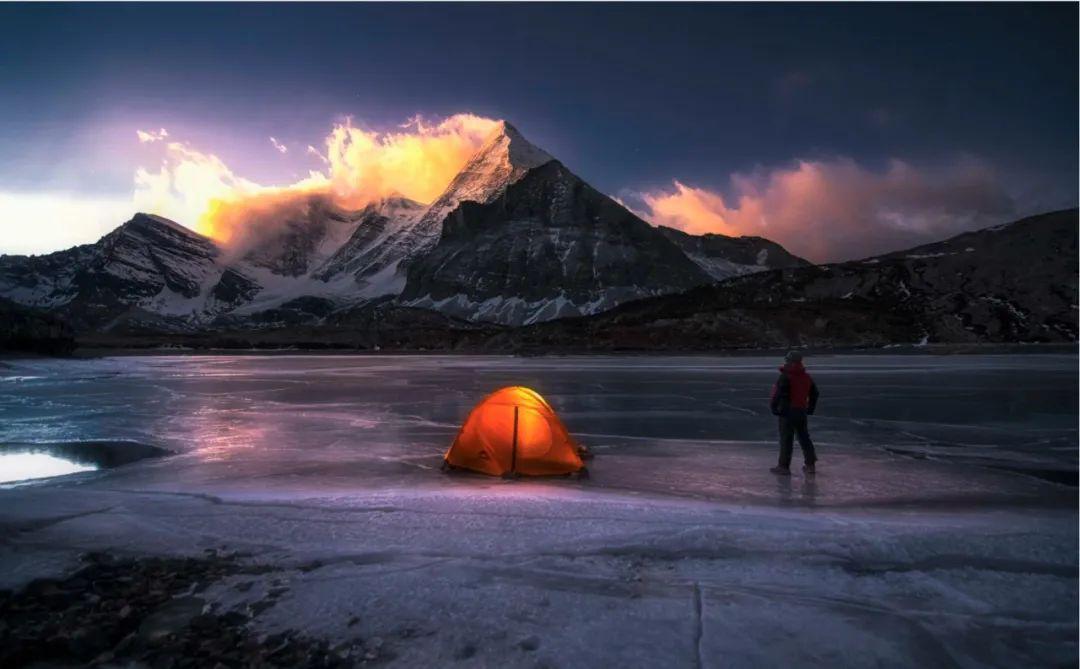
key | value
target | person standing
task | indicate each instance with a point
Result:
(794, 397)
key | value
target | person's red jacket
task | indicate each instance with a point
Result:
(795, 389)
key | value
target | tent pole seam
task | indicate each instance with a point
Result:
(513, 451)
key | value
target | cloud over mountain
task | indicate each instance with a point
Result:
(416, 160)
(837, 209)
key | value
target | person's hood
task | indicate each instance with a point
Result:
(793, 368)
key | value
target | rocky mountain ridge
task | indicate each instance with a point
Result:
(1011, 283)
(1010, 287)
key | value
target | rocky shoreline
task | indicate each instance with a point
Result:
(148, 612)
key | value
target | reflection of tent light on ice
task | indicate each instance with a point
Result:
(514, 431)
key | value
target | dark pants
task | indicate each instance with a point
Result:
(791, 426)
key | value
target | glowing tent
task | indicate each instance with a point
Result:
(514, 431)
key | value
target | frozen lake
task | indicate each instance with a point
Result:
(941, 527)
(681, 425)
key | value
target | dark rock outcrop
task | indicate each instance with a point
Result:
(148, 613)
(549, 246)
(32, 331)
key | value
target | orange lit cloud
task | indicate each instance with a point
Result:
(828, 210)
(417, 161)
(242, 221)
(194, 188)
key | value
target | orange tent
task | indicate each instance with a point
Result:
(514, 431)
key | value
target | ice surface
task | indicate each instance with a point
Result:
(938, 531)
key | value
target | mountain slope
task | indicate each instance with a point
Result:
(147, 263)
(305, 237)
(503, 158)
(1009, 283)
(359, 256)
(313, 263)
(723, 257)
(549, 246)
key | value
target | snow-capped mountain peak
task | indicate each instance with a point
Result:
(500, 161)
(503, 158)
(507, 146)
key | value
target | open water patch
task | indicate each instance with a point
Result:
(30, 461)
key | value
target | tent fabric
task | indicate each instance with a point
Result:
(514, 431)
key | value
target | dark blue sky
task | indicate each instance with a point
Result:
(629, 96)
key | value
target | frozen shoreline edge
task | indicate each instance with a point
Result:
(898, 349)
